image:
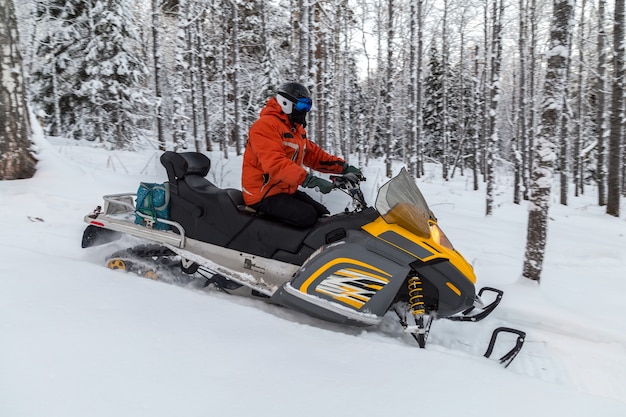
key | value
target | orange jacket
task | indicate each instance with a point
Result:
(275, 154)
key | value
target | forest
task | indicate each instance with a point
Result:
(533, 88)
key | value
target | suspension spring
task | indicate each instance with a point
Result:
(416, 296)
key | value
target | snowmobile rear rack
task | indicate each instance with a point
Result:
(118, 215)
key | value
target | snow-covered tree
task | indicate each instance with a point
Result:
(179, 117)
(65, 28)
(112, 78)
(416, 45)
(495, 91)
(601, 117)
(16, 154)
(89, 79)
(389, 88)
(158, 73)
(542, 175)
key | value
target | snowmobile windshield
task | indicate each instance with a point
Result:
(400, 202)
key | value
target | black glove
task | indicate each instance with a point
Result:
(349, 168)
(324, 186)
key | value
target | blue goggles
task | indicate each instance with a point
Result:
(304, 104)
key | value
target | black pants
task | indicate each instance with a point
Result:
(298, 209)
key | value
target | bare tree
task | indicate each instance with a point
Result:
(601, 117)
(617, 114)
(419, 148)
(566, 116)
(304, 40)
(416, 159)
(236, 135)
(156, 56)
(542, 174)
(179, 118)
(533, 69)
(578, 162)
(389, 87)
(16, 156)
(445, 52)
(494, 98)
(522, 127)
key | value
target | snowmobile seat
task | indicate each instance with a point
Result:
(205, 211)
(218, 216)
(178, 165)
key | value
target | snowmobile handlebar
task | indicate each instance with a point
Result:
(346, 181)
(350, 184)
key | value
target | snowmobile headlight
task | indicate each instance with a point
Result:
(439, 237)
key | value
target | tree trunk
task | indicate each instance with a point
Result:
(477, 128)
(601, 117)
(413, 92)
(617, 114)
(236, 135)
(205, 49)
(494, 93)
(156, 54)
(179, 118)
(566, 113)
(303, 40)
(16, 158)
(542, 175)
(419, 165)
(445, 143)
(388, 102)
(528, 154)
(520, 141)
(577, 168)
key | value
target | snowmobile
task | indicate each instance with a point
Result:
(351, 268)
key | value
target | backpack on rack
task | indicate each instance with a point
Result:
(153, 200)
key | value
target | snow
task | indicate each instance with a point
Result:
(78, 339)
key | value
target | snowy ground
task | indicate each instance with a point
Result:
(80, 340)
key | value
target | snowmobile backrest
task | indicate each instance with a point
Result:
(179, 165)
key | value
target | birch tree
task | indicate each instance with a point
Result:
(156, 56)
(445, 128)
(235, 133)
(522, 126)
(416, 45)
(494, 98)
(543, 167)
(17, 159)
(533, 70)
(179, 118)
(388, 88)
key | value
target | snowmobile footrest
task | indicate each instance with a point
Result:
(508, 357)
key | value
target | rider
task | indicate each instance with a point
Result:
(276, 151)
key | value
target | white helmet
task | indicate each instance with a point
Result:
(290, 95)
